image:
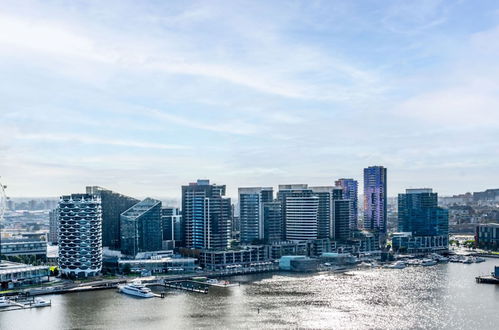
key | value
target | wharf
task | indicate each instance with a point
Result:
(190, 286)
(489, 279)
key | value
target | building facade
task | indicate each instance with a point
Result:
(141, 228)
(487, 236)
(53, 226)
(251, 212)
(350, 192)
(375, 199)
(419, 215)
(172, 225)
(272, 219)
(206, 216)
(113, 204)
(80, 235)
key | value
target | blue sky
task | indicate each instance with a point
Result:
(144, 96)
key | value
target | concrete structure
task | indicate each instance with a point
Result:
(112, 204)
(487, 236)
(350, 192)
(251, 212)
(375, 199)
(80, 235)
(206, 215)
(141, 228)
(14, 274)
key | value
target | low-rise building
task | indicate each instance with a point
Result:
(487, 236)
(23, 247)
(407, 243)
(159, 265)
(13, 274)
(220, 260)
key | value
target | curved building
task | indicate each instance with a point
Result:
(80, 235)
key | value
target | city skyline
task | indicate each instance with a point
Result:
(143, 97)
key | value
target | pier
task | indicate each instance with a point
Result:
(488, 279)
(190, 286)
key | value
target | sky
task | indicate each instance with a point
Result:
(142, 97)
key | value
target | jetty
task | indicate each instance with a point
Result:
(489, 279)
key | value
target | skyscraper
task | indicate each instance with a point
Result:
(375, 199)
(301, 218)
(172, 221)
(206, 215)
(325, 214)
(113, 204)
(287, 191)
(419, 214)
(350, 192)
(141, 228)
(341, 219)
(80, 235)
(53, 226)
(272, 218)
(251, 213)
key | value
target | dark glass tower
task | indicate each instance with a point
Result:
(206, 215)
(113, 204)
(141, 228)
(272, 218)
(375, 199)
(419, 214)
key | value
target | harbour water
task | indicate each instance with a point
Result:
(444, 296)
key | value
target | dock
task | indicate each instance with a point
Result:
(488, 279)
(190, 286)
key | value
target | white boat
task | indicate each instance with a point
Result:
(479, 259)
(136, 288)
(39, 302)
(467, 260)
(397, 265)
(428, 262)
(4, 302)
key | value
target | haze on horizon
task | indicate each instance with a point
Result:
(142, 97)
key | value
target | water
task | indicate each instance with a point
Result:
(439, 297)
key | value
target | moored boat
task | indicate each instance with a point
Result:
(136, 288)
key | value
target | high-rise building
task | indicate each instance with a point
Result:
(375, 199)
(113, 204)
(251, 217)
(287, 191)
(301, 218)
(272, 219)
(206, 215)
(53, 226)
(172, 221)
(141, 228)
(350, 192)
(325, 214)
(80, 235)
(341, 219)
(418, 213)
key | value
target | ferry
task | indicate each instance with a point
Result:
(136, 289)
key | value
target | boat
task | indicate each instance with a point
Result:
(39, 302)
(428, 262)
(397, 265)
(467, 260)
(479, 259)
(136, 288)
(4, 302)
